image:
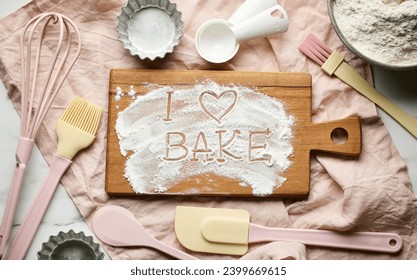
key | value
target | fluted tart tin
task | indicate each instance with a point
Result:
(70, 246)
(150, 28)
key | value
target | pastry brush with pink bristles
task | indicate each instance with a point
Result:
(332, 63)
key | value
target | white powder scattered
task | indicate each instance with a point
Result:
(234, 131)
(383, 30)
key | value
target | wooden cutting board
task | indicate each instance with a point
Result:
(293, 89)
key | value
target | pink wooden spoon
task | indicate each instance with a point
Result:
(116, 226)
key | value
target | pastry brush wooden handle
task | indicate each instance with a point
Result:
(31, 222)
(335, 65)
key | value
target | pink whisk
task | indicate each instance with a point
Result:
(36, 99)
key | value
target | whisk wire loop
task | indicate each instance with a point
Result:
(37, 99)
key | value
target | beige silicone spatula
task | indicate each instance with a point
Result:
(228, 231)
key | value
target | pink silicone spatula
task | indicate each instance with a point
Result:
(116, 226)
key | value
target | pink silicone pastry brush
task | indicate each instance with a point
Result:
(332, 63)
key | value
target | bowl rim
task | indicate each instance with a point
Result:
(356, 51)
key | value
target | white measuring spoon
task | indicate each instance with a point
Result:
(250, 8)
(271, 21)
(116, 226)
(218, 40)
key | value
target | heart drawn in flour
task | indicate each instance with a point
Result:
(217, 106)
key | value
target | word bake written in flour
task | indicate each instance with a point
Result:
(176, 140)
(201, 147)
(177, 133)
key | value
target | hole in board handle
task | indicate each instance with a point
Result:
(339, 136)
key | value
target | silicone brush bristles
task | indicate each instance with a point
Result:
(83, 115)
(316, 50)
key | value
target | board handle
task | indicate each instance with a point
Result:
(341, 137)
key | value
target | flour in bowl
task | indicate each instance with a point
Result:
(383, 30)
(231, 131)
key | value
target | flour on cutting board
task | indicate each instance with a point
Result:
(232, 131)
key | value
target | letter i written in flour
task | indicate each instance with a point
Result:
(169, 102)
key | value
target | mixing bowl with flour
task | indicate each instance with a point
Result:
(382, 32)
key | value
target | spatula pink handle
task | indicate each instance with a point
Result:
(23, 153)
(369, 241)
(31, 222)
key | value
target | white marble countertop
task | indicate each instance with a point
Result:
(62, 215)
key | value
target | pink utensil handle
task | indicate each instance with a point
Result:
(10, 210)
(31, 222)
(369, 241)
(172, 251)
(23, 153)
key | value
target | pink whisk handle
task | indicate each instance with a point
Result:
(23, 153)
(27, 230)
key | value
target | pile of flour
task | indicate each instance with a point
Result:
(383, 30)
(253, 128)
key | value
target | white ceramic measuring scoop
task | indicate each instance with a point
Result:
(218, 40)
(116, 226)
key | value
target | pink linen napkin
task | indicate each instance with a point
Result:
(371, 193)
